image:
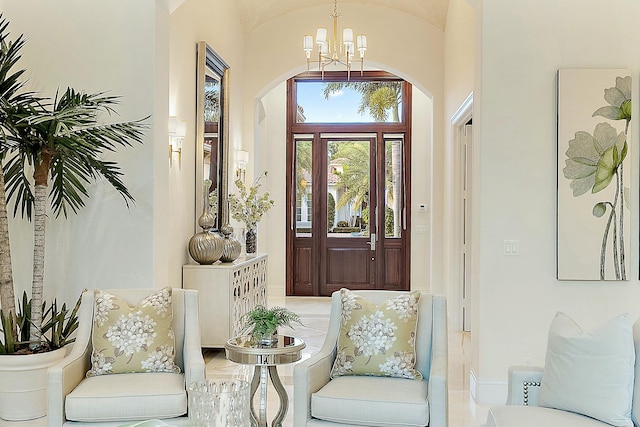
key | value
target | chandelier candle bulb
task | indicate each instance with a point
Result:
(362, 43)
(307, 43)
(348, 49)
(347, 35)
(321, 35)
(323, 48)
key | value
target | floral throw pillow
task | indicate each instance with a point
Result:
(132, 339)
(377, 339)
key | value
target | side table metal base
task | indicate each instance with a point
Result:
(260, 379)
(246, 350)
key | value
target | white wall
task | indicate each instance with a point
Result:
(270, 156)
(522, 46)
(458, 86)
(120, 47)
(192, 21)
(273, 53)
(426, 248)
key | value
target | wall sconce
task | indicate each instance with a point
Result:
(177, 132)
(242, 159)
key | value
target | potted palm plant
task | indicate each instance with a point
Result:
(60, 142)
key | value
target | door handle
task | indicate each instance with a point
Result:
(372, 243)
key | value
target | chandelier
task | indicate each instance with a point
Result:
(335, 51)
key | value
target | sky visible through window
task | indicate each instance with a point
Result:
(339, 108)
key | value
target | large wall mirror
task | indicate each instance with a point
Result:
(212, 130)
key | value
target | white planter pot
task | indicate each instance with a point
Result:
(23, 384)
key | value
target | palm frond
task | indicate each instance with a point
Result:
(12, 96)
(69, 128)
(17, 184)
(67, 190)
(112, 136)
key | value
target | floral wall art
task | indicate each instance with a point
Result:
(594, 162)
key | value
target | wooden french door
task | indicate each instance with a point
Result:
(349, 217)
(348, 189)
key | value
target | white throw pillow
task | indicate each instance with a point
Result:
(590, 372)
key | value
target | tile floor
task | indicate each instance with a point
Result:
(314, 312)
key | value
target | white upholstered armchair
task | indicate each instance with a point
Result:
(75, 400)
(377, 401)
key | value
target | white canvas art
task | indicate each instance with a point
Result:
(594, 174)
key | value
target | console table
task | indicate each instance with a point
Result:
(226, 291)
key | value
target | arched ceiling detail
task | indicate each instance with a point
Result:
(254, 13)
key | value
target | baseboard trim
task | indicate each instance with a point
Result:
(487, 391)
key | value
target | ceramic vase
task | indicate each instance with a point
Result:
(206, 246)
(232, 247)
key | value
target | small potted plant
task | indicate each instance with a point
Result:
(262, 323)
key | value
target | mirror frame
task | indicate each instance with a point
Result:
(208, 62)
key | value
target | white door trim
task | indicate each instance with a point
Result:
(459, 121)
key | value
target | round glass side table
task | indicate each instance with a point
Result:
(246, 350)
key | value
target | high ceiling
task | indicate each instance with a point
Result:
(254, 13)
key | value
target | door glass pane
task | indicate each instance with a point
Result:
(304, 188)
(349, 102)
(393, 191)
(348, 186)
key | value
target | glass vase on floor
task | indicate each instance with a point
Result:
(251, 240)
(219, 404)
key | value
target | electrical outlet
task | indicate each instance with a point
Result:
(511, 247)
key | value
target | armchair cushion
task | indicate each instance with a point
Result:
(126, 397)
(372, 401)
(534, 416)
(590, 373)
(133, 339)
(377, 339)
